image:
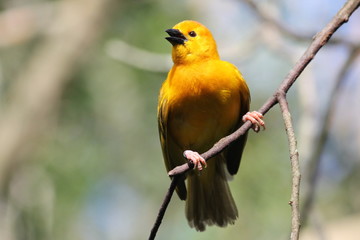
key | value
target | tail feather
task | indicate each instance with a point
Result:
(209, 200)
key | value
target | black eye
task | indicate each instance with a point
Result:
(192, 34)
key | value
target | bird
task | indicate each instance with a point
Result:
(202, 100)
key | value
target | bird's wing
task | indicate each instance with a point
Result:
(234, 151)
(172, 153)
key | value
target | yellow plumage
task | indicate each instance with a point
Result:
(202, 100)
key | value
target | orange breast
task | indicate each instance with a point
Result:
(204, 106)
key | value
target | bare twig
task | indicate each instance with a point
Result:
(163, 207)
(318, 42)
(295, 167)
(137, 57)
(312, 168)
(267, 18)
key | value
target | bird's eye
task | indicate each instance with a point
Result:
(192, 34)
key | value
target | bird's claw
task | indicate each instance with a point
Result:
(196, 159)
(256, 119)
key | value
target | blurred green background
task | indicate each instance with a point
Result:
(79, 151)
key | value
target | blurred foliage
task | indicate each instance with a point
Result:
(98, 171)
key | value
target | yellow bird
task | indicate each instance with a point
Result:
(202, 100)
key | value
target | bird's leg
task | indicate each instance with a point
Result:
(256, 119)
(196, 159)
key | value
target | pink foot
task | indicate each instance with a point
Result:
(256, 119)
(196, 159)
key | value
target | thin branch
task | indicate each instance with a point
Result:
(313, 165)
(137, 57)
(163, 207)
(264, 14)
(295, 167)
(318, 42)
(267, 18)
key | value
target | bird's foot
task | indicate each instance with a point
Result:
(196, 159)
(256, 119)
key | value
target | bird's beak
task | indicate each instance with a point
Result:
(176, 37)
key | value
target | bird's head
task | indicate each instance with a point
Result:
(191, 42)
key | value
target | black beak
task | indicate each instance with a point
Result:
(176, 37)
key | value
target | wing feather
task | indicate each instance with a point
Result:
(172, 153)
(234, 152)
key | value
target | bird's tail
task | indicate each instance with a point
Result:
(209, 200)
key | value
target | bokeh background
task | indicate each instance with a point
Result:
(79, 150)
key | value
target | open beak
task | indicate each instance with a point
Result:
(176, 37)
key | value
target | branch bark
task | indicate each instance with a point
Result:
(163, 207)
(295, 167)
(318, 42)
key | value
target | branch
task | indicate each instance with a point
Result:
(312, 169)
(295, 167)
(318, 42)
(163, 207)
(136, 57)
(265, 16)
